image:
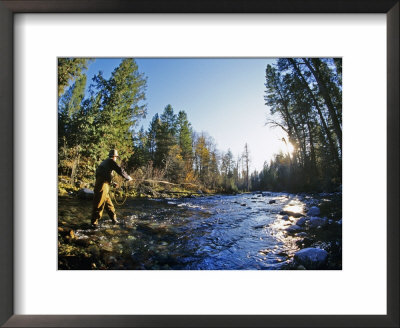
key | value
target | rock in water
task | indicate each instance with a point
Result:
(85, 193)
(273, 201)
(311, 258)
(316, 221)
(290, 213)
(293, 228)
(313, 211)
(300, 222)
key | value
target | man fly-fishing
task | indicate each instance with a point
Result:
(102, 199)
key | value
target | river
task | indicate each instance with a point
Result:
(221, 232)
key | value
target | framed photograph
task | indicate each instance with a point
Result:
(222, 123)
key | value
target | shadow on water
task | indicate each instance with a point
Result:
(246, 231)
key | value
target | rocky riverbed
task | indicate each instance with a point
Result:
(260, 230)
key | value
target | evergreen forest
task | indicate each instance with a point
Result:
(303, 97)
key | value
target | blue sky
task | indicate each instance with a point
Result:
(223, 97)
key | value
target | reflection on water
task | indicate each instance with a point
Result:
(218, 232)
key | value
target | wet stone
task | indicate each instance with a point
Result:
(311, 258)
(316, 222)
(208, 233)
(82, 242)
(313, 211)
(290, 213)
(85, 193)
(293, 228)
(300, 222)
(110, 232)
(94, 250)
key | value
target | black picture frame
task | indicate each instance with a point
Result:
(10, 7)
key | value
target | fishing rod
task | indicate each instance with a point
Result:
(119, 193)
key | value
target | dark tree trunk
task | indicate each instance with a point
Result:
(323, 122)
(325, 94)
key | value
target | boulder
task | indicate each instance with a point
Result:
(273, 201)
(293, 228)
(300, 222)
(285, 217)
(311, 258)
(290, 213)
(85, 193)
(313, 211)
(316, 221)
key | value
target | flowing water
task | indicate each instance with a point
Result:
(213, 232)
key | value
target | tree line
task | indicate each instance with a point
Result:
(108, 115)
(304, 96)
(304, 99)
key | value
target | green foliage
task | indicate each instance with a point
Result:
(304, 97)
(175, 165)
(119, 108)
(69, 69)
(184, 135)
(165, 136)
(90, 127)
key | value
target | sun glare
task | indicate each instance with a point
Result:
(287, 147)
(290, 148)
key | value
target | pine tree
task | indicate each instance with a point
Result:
(246, 158)
(165, 136)
(120, 107)
(151, 143)
(69, 69)
(304, 99)
(184, 136)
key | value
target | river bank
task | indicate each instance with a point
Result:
(143, 189)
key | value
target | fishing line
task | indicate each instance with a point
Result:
(124, 190)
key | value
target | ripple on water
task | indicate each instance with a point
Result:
(205, 233)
